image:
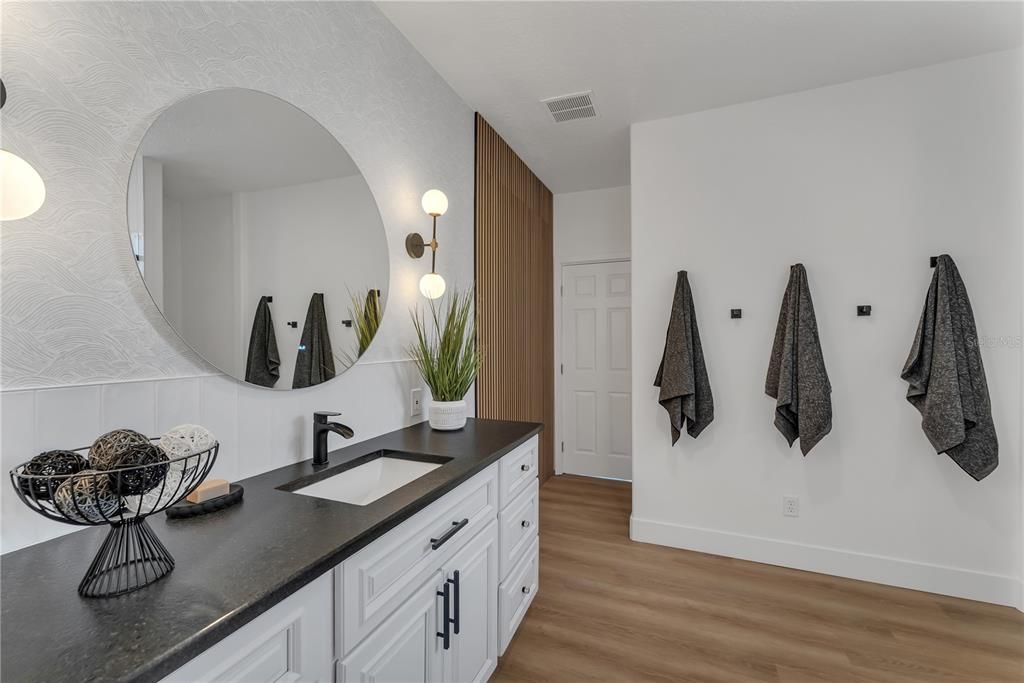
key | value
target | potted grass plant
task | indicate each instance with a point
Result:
(446, 354)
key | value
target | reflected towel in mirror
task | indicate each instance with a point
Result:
(263, 363)
(315, 360)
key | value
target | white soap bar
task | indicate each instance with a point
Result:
(211, 488)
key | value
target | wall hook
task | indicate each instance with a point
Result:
(270, 299)
(735, 313)
(863, 310)
(294, 324)
(934, 261)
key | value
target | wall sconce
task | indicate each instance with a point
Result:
(21, 188)
(435, 203)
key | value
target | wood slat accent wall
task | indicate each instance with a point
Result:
(514, 290)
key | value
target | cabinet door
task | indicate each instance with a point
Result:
(406, 647)
(473, 655)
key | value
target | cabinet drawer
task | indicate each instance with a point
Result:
(516, 595)
(518, 470)
(384, 574)
(518, 528)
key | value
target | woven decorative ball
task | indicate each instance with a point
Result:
(185, 440)
(105, 450)
(159, 496)
(87, 497)
(50, 464)
(147, 467)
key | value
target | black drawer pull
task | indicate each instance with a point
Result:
(455, 581)
(526, 524)
(525, 468)
(436, 543)
(526, 590)
(446, 619)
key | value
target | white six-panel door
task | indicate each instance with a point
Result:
(595, 396)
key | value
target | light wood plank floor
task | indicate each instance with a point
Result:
(613, 610)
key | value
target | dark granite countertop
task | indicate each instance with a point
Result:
(231, 566)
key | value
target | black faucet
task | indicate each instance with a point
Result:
(320, 428)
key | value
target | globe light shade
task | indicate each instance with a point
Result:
(21, 188)
(432, 286)
(435, 203)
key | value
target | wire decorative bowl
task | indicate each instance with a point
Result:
(131, 555)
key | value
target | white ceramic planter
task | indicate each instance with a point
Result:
(447, 415)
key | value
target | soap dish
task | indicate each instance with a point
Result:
(185, 509)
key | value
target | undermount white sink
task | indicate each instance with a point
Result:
(363, 484)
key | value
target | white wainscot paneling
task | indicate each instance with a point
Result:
(128, 405)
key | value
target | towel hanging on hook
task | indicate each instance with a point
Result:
(797, 379)
(685, 391)
(947, 378)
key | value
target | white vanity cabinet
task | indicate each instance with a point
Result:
(436, 599)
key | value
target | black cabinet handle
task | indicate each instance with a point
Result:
(525, 468)
(458, 608)
(446, 620)
(526, 524)
(436, 543)
(526, 590)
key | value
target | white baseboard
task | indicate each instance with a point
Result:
(961, 583)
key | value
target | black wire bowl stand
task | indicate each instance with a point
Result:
(131, 555)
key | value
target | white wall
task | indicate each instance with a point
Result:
(861, 182)
(592, 225)
(83, 347)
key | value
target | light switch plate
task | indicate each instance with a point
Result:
(415, 402)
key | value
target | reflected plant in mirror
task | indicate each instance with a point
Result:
(365, 314)
(252, 227)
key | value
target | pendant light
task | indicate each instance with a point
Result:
(22, 190)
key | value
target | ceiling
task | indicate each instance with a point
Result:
(237, 140)
(650, 60)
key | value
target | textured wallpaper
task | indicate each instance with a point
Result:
(85, 80)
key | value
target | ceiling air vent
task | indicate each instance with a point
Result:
(578, 105)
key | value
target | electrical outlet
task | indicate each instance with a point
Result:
(790, 506)
(415, 402)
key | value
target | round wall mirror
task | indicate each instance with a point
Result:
(258, 238)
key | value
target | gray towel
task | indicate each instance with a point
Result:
(263, 363)
(947, 379)
(315, 361)
(682, 376)
(796, 371)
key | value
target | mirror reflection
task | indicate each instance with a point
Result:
(258, 238)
